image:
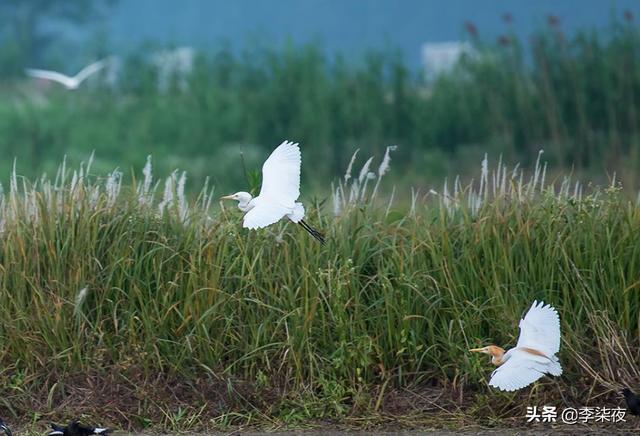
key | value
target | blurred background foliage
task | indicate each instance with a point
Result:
(575, 96)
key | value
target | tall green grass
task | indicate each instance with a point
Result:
(122, 300)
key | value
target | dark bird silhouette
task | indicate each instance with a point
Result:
(4, 428)
(76, 429)
(633, 401)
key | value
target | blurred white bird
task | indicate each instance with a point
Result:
(69, 82)
(533, 355)
(278, 194)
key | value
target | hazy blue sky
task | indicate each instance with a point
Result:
(346, 25)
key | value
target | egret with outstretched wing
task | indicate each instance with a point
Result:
(279, 192)
(533, 356)
(68, 82)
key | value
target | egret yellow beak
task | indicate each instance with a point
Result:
(478, 350)
(226, 197)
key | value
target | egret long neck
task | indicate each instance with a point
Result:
(245, 205)
(497, 355)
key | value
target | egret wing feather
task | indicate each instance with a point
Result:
(90, 69)
(281, 175)
(520, 370)
(49, 75)
(264, 213)
(540, 329)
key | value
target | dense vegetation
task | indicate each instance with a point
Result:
(576, 97)
(129, 304)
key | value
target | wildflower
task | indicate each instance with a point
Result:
(471, 29)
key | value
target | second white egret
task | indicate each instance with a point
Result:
(533, 356)
(69, 82)
(279, 192)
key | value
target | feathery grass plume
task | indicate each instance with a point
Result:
(74, 181)
(145, 194)
(531, 188)
(484, 179)
(337, 208)
(354, 192)
(516, 171)
(60, 174)
(112, 187)
(363, 191)
(13, 190)
(168, 195)
(183, 211)
(174, 199)
(495, 176)
(475, 202)
(386, 161)
(81, 296)
(383, 168)
(577, 191)
(31, 206)
(94, 196)
(363, 178)
(364, 172)
(446, 199)
(347, 174)
(358, 186)
(501, 184)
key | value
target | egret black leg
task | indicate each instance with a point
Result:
(313, 232)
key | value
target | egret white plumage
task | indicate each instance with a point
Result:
(278, 194)
(533, 356)
(68, 82)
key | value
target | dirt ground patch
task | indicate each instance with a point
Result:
(139, 404)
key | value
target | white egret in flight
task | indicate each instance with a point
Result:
(69, 82)
(533, 356)
(278, 194)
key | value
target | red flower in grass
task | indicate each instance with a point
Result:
(553, 20)
(471, 28)
(504, 41)
(628, 15)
